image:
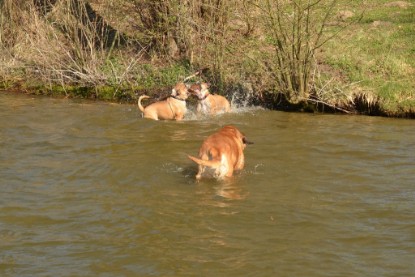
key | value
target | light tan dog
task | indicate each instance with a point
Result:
(209, 103)
(174, 107)
(223, 152)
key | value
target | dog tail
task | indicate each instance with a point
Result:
(139, 102)
(211, 163)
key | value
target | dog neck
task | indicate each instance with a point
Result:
(204, 97)
(177, 98)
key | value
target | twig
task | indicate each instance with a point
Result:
(327, 104)
(194, 75)
(132, 63)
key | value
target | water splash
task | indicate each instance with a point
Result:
(243, 96)
(243, 99)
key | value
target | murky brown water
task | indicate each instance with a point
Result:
(92, 189)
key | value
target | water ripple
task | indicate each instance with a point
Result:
(96, 186)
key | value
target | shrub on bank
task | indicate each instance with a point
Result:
(306, 55)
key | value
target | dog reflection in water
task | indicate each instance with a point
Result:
(230, 191)
(222, 153)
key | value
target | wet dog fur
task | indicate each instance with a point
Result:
(173, 108)
(223, 152)
(209, 104)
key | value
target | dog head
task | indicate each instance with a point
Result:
(245, 141)
(200, 90)
(181, 91)
(238, 134)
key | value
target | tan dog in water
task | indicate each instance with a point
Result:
(223, 152)
(174, 107)
(209, 103)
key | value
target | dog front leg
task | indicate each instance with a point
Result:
(200, 172)
(199, 107)
(179, 116)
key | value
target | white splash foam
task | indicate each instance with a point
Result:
(242, 100)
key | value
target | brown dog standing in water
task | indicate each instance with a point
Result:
(209, 103)
(223, 152)
(174, 107)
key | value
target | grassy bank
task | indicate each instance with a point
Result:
(115, 50)
(376, 57)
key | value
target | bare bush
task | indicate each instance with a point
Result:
(266, 45)
(297, 30)
(195, 30)
(64, 42)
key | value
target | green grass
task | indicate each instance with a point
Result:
(378, 52)
(374, 57)
(151, 76)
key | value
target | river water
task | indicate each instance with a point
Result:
(93, 189)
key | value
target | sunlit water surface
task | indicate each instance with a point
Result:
(92, 189)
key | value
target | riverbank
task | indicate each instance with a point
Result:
(114, 52)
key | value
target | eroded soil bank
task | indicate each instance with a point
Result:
(359, 106)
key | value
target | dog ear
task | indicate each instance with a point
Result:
(246, 141)
(174, 92)
(204, 86)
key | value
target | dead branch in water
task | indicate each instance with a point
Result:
(327, 104)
